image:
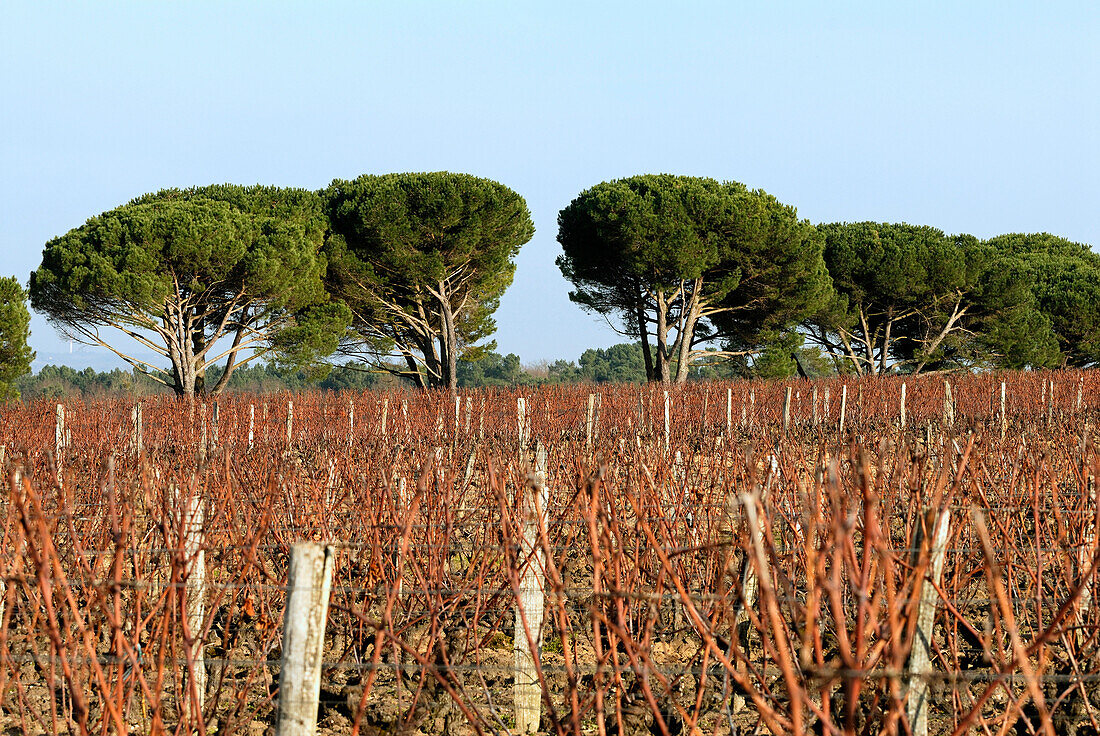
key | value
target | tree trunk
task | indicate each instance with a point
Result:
(687, 332)
(643, 335)
(183, 366)
(230, 365)
(868, 343)
(197, 345)
(663, 372)
(886, 341)
(415, 372)
(432, 369)
(449, 340)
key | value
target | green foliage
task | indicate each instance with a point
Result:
(911, 299)
(54, 381)
(422, 261)
(621, 363)
(258, 378)
(492, 369)
(15, 330)
(180, 269)
(781, 357)
(1064, 279)
(689, 261)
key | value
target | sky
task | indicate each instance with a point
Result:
(976, 117)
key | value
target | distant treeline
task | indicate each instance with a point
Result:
(622, 363)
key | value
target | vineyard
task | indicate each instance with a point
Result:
(851, 556)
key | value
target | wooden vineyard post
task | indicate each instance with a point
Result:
(1085, 554)
(214, 424)
(649, 413)
(458, 412)
(59, 440)
(749, 581)
(902, 412)
(194, 557)
(351, 421)
(1004, 416)
(920, 657)
(309, 582)
(385, 415)
(136, 438)
(948, 406)
(530, 600)
(203, 444)
(1080, 391)
(591, 424)
(825, 405)
(786, 409)
(289, 422)
(469, 413)
(752, 408)
(524, 423)
(668, 427)
(1050, 405)
(251, 424)
(729, 412)
(843, 407)
(816, 420)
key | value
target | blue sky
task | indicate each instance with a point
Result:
(974, 117)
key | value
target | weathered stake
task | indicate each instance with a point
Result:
(309, 582)
(59, 440)
(195, 603)
(920, 657)
(843, 406)
(786, 409)
(729, 412)
(1050, 405)
(1004, 416)
(524, 423)
(351, 421)
(530, 600)
(668, 427)
(590, 426)
(214, 423)
(289, 422)
(136, 439)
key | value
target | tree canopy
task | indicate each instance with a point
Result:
(683, 262)
(181, 270)
(1064, 278)
(422, 261)
(15, 320)
(913, 299)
